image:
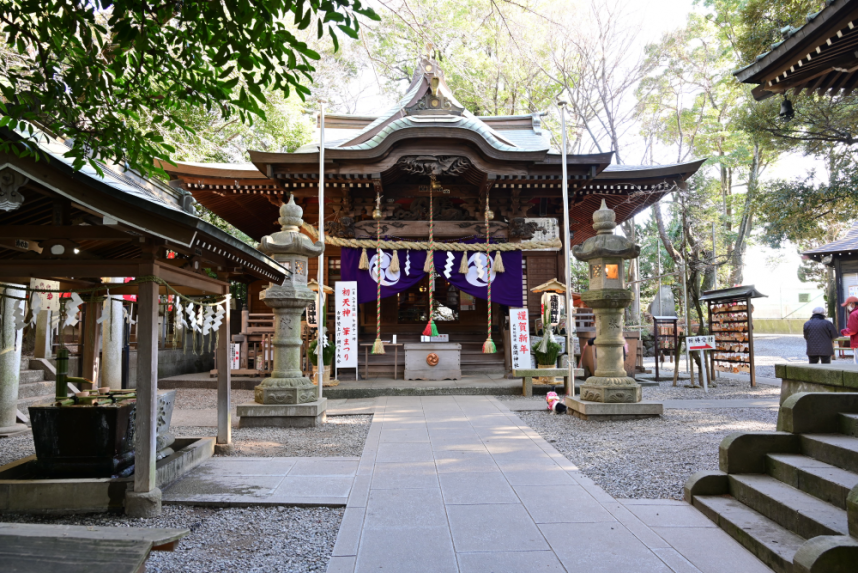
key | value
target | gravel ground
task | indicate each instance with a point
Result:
(650, 458)
(340, 436)
(724, 389)
(255, 539)
(16, 447)
(203, 399)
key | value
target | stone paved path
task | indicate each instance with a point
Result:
(460, 484)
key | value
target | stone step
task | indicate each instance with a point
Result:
(28, 376)
(849, 424)
(791, 508)
(24, 403)
(37, 389)
(771, 543)
(817, 478)
(835, 449)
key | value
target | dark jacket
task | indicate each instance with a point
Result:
(820, 334)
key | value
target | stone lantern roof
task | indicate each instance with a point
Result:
(289, 241)
(605, 243)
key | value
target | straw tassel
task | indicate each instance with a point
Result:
(498, 266)
(378, 346)
(463, 266)
(394, 262)
(364, 261)
(427, 266)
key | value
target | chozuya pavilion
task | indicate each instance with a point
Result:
(430, 171)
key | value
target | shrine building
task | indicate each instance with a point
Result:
(429, 150)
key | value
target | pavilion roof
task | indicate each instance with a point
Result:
(820, 55)
(847, 244)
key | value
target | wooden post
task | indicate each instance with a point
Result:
(91, 340)
(224, 386)
(145, 500)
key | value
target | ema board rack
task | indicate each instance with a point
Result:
(731, 322)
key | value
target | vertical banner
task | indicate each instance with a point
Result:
(346, 323)
(520, 339)
(50, 300)
(554, 305)
(235, 354)
(312, 315)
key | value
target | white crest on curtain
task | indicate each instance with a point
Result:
(387, 278)
(477, 275)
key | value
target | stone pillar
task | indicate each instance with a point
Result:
(44, 335)
(287, 398)
(111, 343)
(223, 444)
(145, 500)
(10, 362)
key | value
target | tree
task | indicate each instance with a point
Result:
(90, 71)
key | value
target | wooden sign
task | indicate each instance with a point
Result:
(701, 342)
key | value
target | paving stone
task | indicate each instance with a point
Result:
(360, 491)
(348, 537)
(404, 452)
(223, 466)
(711, 550)
(601, 548)
(674, 560)
(411, 549)
(395, 508)
(464, 461)
(403, 435)
(458, 444)
(313, 486)
(196, 487)
(476, 487)
(494, 527)
(404, 475)
(671, 516)
(341, 565)
(565, 504)
(510, 562)
(324, 467)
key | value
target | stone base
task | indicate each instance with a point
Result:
(611, 394)
(285, 391)
(597, 411)
(307, 415)
(145, 504)
(12, 430)
(224, 449)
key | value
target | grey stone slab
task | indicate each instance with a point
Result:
(711, 550)
(348, 537)
(494, 527)
(600, 548)
(626, 501)
(510, 562)
(637, 527)
(341, 565)
(404, 475)
(315, 486)
(245, 467)
(404, 436)
(404, 452)
(671, 516)
(194, 487)
(597, 492)
(411, 549)
(360, 491)
(535, 472)
(566, 504)
(324, 467)
(453, 433)
(464, 461)
(405, 508)
(476, 487)
(675, 560)
(458, 444)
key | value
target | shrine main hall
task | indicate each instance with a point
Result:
(428, 164)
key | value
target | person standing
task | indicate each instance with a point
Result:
(819, 334)
(851, 329)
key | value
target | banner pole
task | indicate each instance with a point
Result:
(570, 320)
(320, 308)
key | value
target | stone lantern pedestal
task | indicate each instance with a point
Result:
(287, 398)
(610, 393)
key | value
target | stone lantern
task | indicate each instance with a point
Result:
(287, 398)
(608, 297)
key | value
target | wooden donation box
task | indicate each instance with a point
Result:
(433, 361)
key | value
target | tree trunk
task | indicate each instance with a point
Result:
(737, 257)
(633, 310)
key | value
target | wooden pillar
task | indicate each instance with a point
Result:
(145, 500)
(224, 386)
(91, 340)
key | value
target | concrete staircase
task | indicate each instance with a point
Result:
(791, 496)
